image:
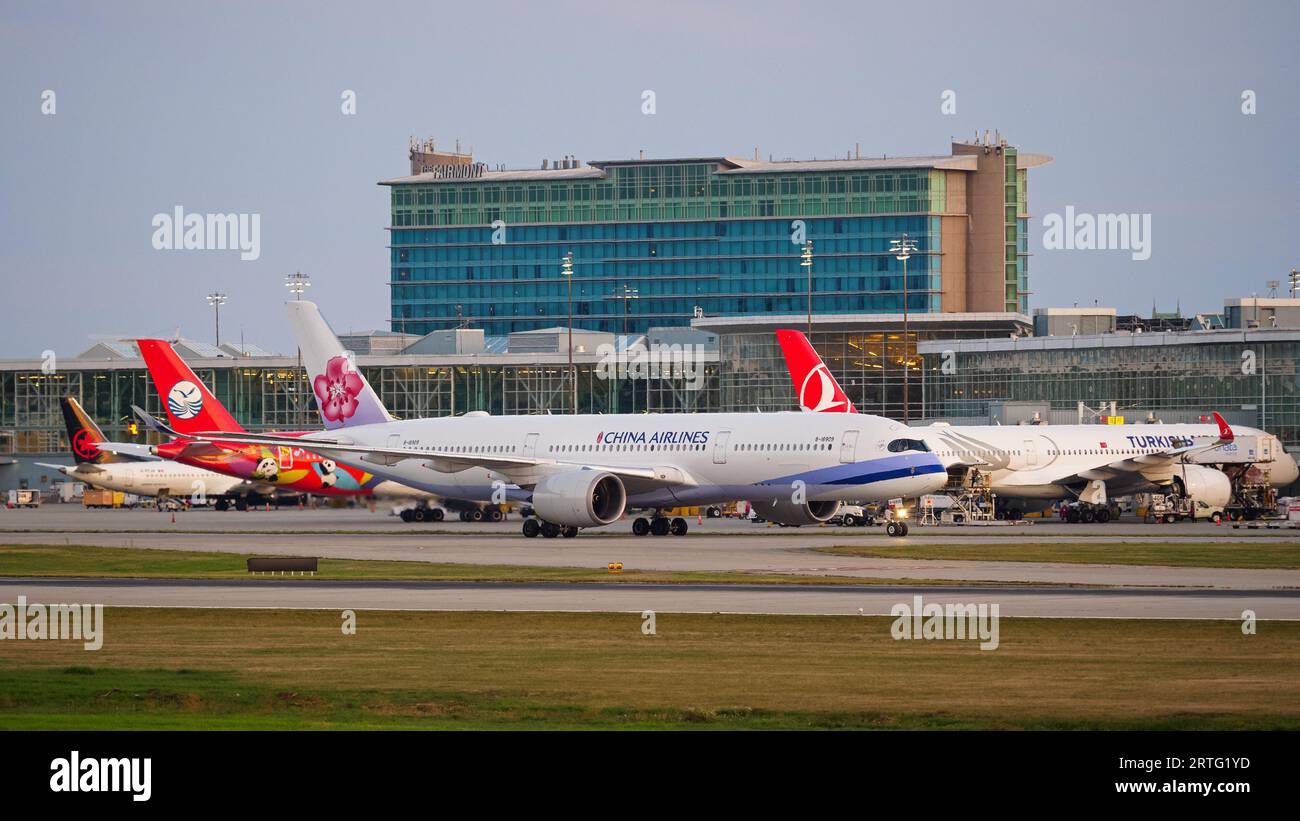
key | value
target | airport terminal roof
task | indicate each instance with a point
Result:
(1118, 339)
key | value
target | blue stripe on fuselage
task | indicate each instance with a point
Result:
(864, 473)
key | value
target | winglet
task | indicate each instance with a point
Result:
(153, 423)
(1225, 432)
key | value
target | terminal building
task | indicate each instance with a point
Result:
(657, 243)
(1242, 363)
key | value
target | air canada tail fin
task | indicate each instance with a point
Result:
(817, 389)
(190, 406)
(343, 395)
(84, 436)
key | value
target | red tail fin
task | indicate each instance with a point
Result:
(1225, 432)
(818, 391)
(190, 407)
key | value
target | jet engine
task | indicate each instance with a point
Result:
(789, 513)
(1203, 484)
(580, 498)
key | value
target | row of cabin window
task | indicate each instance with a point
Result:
(605, 448)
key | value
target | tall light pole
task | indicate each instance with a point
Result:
(297, 282)
(807, 265)
(902, 249)
(567, 271)
(216, 300)
(628, 293)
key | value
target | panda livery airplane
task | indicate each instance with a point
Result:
(286, 467)
(1039, 464)
(586, 470)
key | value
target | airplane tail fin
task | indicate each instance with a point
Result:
(190, 406)
(343, 395)
(817, 389)
(84, 435)
(1225, 432)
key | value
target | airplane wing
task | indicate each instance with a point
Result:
(140, 452)
(337, 445)
(66, 470)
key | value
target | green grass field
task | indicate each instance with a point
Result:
(163, 668)
(86, 561)
(1257, 553)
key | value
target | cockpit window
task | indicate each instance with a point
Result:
(901, 445)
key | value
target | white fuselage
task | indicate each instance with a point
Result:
(1026, 461)
(156, 478)
(697, 458)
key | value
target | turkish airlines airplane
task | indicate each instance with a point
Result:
(1033, 465)
(585, 470)
(103, 468)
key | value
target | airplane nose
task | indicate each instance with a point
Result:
(1285, 471)
(933, 475)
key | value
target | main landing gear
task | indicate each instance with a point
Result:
(659, 525)
(1088, 513)
(422, 514)
(896, 529)
(549, 530)
(492, 514)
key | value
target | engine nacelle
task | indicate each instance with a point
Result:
(580, 498)
(789, 513)
(1203, 484)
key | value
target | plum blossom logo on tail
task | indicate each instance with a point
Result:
(337, 390)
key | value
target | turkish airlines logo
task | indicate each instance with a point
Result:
(185, 400)
(819, 395)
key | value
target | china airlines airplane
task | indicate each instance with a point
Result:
(98, 465)
(585, 470)
(1031, 466)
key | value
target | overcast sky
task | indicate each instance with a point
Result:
(235, 107)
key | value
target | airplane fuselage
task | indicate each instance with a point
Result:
(156, 479)
(699, 458)
(1026, 461)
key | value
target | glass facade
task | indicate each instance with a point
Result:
(686, 235)
(1250, 378)
(268, 397)
(870, 366)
